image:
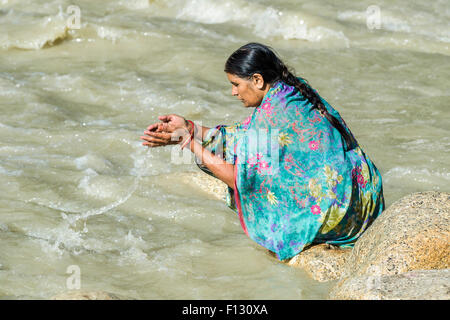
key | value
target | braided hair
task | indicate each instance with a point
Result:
(257, 58)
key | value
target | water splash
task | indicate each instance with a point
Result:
(138, 169)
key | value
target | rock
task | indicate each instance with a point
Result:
(322, 262)
(412, 234)
(206, 183)
(85, 295)
(412, 285)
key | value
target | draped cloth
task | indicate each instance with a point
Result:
(295, 181)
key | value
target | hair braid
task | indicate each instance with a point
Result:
(257, 58)
(305, 89)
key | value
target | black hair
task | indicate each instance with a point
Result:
(258, 58)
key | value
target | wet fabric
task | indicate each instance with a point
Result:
(296, 182)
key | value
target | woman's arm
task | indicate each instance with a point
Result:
(219, 167)
(162, 134)
(202, 131)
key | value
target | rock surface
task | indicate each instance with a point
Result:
(412, 234)
(206, 183)
(412, 285)
(322, 262)
(85, 295)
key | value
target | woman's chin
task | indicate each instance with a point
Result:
(245, 104)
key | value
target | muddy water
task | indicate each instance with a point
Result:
(78, 189)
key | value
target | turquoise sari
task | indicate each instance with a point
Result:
(295, 182)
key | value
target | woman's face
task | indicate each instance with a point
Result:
(250, 91)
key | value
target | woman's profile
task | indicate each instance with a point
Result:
(296, 175)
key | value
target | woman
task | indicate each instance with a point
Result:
(296, 176)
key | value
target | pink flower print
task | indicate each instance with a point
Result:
(315, 209)
(356, 172)
(314, 145)
(264, 165)
(267, 106)
(251, 161)
(247, 121)
(360, 179)
(289, 158)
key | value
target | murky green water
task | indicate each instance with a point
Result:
(77, 187)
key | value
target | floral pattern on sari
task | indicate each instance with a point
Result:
(295, 182)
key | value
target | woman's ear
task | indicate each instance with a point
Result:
(258, 81)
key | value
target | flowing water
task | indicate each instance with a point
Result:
(78, 189)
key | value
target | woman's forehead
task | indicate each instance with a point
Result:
(234, 78)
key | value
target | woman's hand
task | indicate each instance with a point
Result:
(171, 130)
(173, 122)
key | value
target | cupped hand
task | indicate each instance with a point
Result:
(171, 130)
(173, 122)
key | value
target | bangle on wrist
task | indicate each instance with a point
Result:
(191, 135)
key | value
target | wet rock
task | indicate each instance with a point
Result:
(206, 183)
(197, 182)
(322, 262)
(412, 234)
(85, 295)
(412, 285)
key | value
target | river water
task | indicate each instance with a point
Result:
(79, 192)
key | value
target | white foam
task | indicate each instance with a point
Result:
(56, 240)
(133, 256)
(100, 122)
(352, 15)
(387, 20)
(265, 21)
(131, 240)
(110, 33)
(90, 161)
(422, 175)
(31, 34)
(135, 4)
(98, 211)
(405, 20)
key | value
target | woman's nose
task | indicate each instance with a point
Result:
(234, 91)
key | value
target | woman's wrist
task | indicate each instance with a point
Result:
(187, 125)
(191, 126)
(190, 135)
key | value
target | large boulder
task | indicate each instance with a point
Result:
(411, 285)
(321, 262)
(412, 234)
